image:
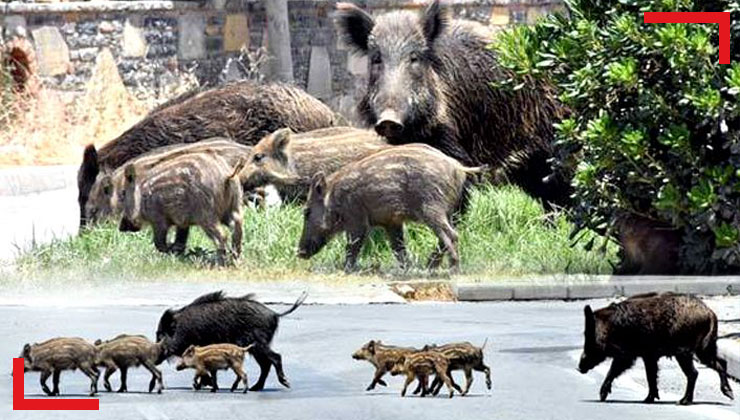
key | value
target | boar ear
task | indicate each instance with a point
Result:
(130, 173)
(354, 26)
(371, 346)
(433, 21)
(26, 349)
(98, 342)
(90, 166)
(590, 321)
(281, 138)
(318, 183)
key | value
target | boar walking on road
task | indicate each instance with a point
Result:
(412, 182)
(53, 356)
(290, 160)
(420, 365)
(214, 318)
(430, 81)
(383, 357)
(652, 326)
(125, 351)
(194, 189)
(244, 111)
(208, 360)
(461, 356)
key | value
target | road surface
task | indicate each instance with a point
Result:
(532, 350)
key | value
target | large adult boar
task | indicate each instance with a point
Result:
(57, 354)
(430, 81)
(195, 189)
(214, 318)
(289, 160)
(413, 182)
(244, 111)
(652, 326)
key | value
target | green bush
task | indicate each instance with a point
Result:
(654, 124)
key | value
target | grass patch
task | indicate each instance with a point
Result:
(504, 233)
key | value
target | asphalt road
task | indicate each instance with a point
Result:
(532, 350)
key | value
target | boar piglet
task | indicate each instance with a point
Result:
(421, 365)
(125, 351)
(290, 160)
(64, 353)
(461, 356)
(214, 318)
(651, 326)
(193, 189)
(212, 358)
(383, 357)
(412, 182)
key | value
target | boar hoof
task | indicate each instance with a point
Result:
(382, 382)
(370, 387)
(728, 391)
(214, 389)
(107, 387)
(686, 401)
(604, 393)
(649, 399)
(256, 387)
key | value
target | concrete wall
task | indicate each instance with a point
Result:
(153, 42)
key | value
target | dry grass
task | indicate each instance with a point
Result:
(52, 127)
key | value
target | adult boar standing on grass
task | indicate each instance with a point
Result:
(652, 326)
(430, 81)
(245, 112)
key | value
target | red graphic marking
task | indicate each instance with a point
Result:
(20, 403)
(722, 18)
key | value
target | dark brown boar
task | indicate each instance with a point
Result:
(412, 182)
(290, 160)
(420, 365)
(125, 351)
(194, 189)
(244, 111)
(648, 247)
(430, 80)
(461, 356)
(64, 353)
(208, 360)
(651, 326)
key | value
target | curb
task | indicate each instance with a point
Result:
(729, 349)
(613, 286)
(35, 179)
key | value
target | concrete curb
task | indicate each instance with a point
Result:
(729, 349)
(35, 179)
(613, 286)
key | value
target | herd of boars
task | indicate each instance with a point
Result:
(216, 332)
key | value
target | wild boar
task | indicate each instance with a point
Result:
(430, 81)
(209, 359)
(64, 353)
(412, 182)
(290, 160)
(648, 247)
(461, 356)
(214, 318)
(244, 111)
(420, 365)
(383, 357)
(125, 351)
(652, 326)
(193, 189)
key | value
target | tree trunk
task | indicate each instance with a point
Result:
(278, 42)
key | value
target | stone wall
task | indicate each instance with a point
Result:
(155, 42)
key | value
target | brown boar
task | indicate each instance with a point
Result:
(290, 160)
(125, 351)
(461, 356)
(244, 111)
(652, 326)
(412, 182)
(420, 365)
(209, 359)
(430, 80)
(194, 189)
(383, 357)
(648, 247)
(64, 353)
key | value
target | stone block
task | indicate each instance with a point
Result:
(192, 43)
(52, 52)
(134, 41)
(319, 74)
(236, 32)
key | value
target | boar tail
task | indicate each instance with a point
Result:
(298, 302)
(484, 343)
(247, 348)
(476, 169)
(238, 168)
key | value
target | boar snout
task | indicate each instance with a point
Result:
(309, 248)
(181, 366)
(128, 226)
(389, 124)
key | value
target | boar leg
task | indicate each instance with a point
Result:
(395, 233)
(44, 376)
(651, 370)
(215, 234)
(447, 241)
(93, 374)
(468, 380)
(376, 379)
(619, 365)
(277, 361)
(124, 374)
(159, 232)
(355, 241)
(181, 240)
(110, 369)
(686, 361)
(480, 367)
(156, 376)
(710, 359)
(264, 363)
(214, 380)
(409, 378)
(241, 376)
(236, 235)
(442, 372)
(55, 382)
